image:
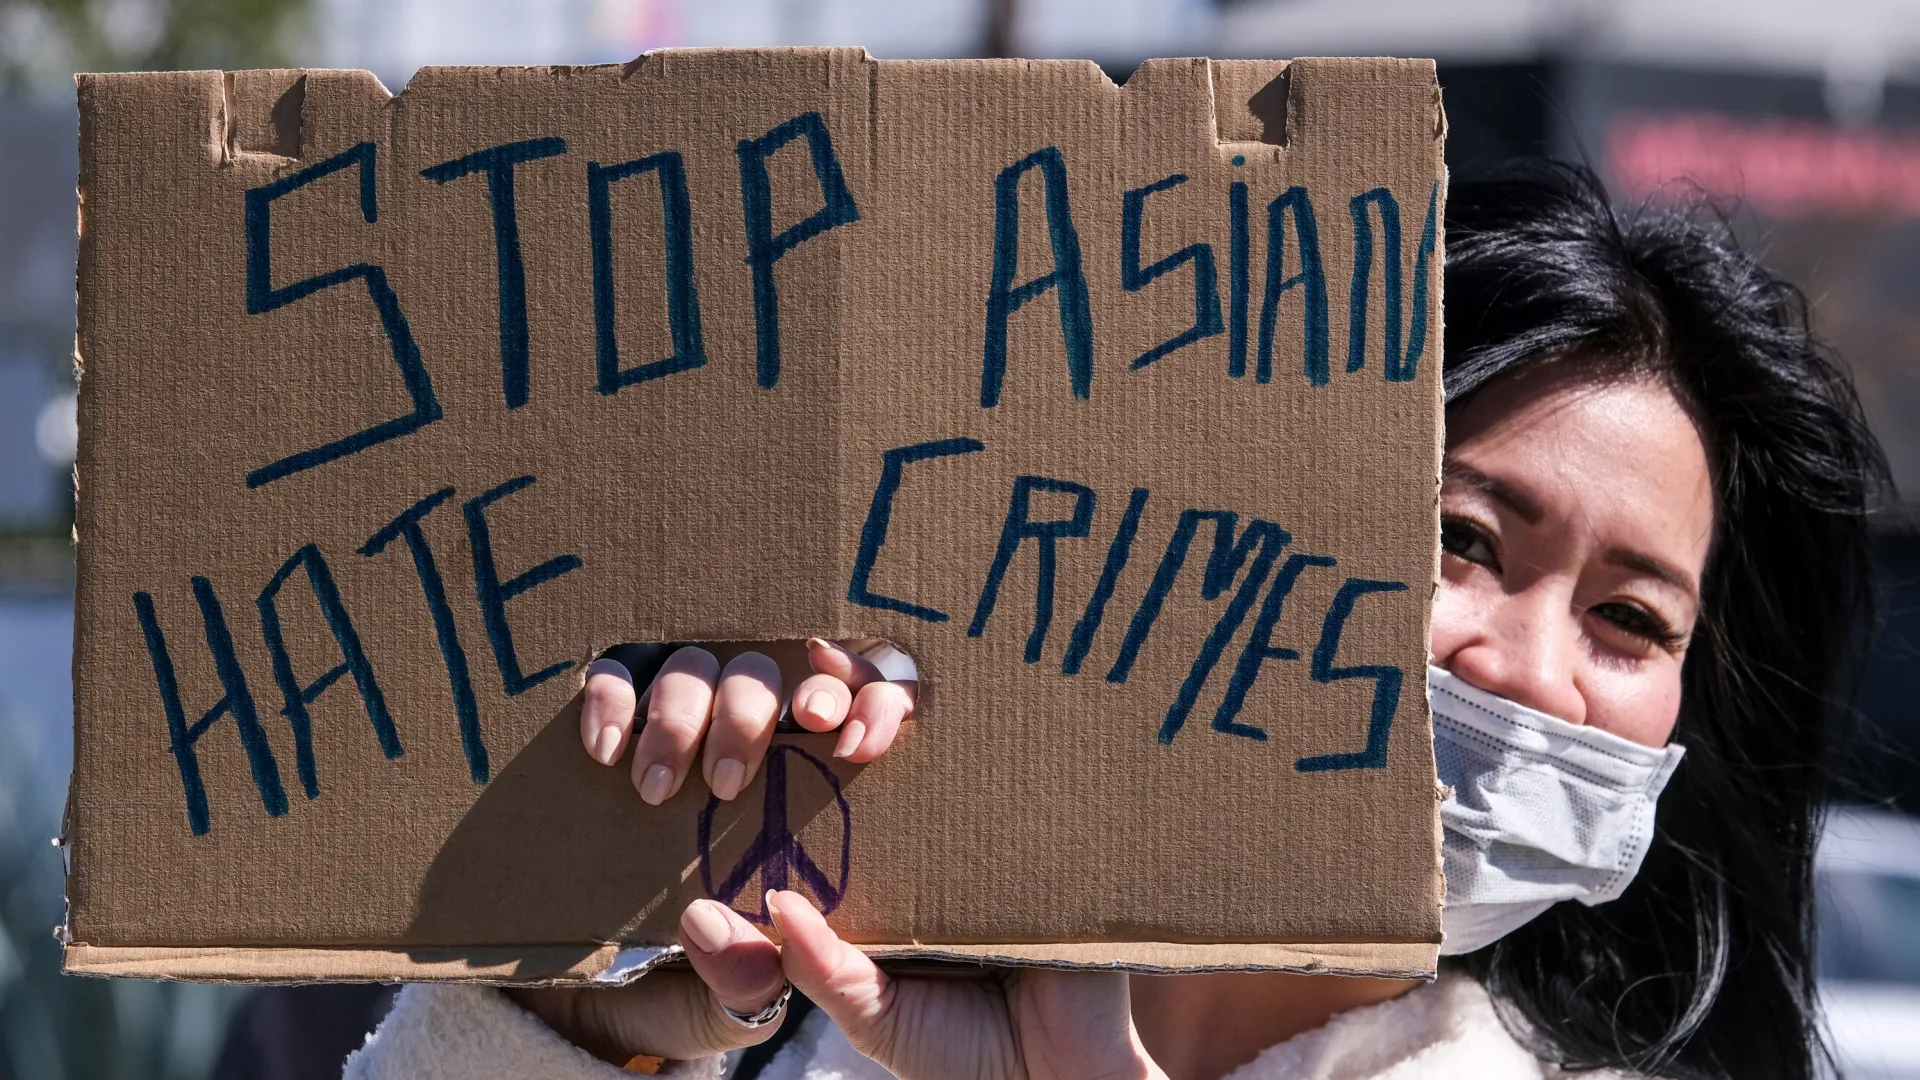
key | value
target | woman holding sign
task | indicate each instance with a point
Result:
(1653, 513)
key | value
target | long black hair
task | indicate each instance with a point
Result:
(1704, 967)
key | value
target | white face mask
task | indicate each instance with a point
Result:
(1542, 810)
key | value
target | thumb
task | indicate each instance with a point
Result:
(837, 977)
(675, 1014)
(739, 965)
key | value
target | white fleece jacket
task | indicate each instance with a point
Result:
(1445, 1030)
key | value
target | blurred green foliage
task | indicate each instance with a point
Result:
(53, 1027)
(42, 42)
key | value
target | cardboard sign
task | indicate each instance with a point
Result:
(1117, 407)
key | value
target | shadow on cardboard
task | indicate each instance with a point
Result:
(559, 856)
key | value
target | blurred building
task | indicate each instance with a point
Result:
(393, 37)
(36, 312)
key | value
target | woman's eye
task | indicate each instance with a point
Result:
(1641, 623)
(1465, 540)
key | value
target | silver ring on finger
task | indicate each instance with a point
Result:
(765, 1016)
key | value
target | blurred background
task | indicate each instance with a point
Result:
(1806, 117)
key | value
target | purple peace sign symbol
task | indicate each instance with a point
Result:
(776, 854)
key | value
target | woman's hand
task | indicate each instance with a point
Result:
(1026, 1023)
(726, 714)
(1019, 1024)
(1005, 1024)
(674, 1014)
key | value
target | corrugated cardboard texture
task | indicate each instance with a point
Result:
(396, 410)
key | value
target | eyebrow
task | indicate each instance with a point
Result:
(1500, 491)
(1641, 562)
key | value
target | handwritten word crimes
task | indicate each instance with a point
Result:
(1293, 263)
(1256, 549)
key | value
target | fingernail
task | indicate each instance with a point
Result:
(773, 909)
(729, 776)
(820, 641)
(850, 737)
(606, 744)
(821, 704)
(655, 785)
(707, 926)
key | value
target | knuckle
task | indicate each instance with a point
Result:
(745, 717)
(833, 658)
(877, 1032)
(675, 725)
(719, 1032)
(745, 701)
(752, 663)
(883, 700)
(693, 658)
(604, 692)
(741, 723)
(713, 1028)
(679, 699)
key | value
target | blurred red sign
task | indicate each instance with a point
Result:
(1781, 168)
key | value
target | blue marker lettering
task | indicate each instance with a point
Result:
(764, 246)
(407, 527)
(1239, 284)
(1405, 367)
(1362, 269)
(1293, 204)
(683, 299)
(494, 593)
(1134, 277)
(873, 535)
(498, 163)
(1223, 563)
(1020, 526)
(1386, 681)
(1260, 647)
(262, 297)
(236, 700)
(1270, 538)
(1117, 555)
(1066, 278)
(353, 661)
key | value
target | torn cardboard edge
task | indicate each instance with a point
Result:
(614, 965)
